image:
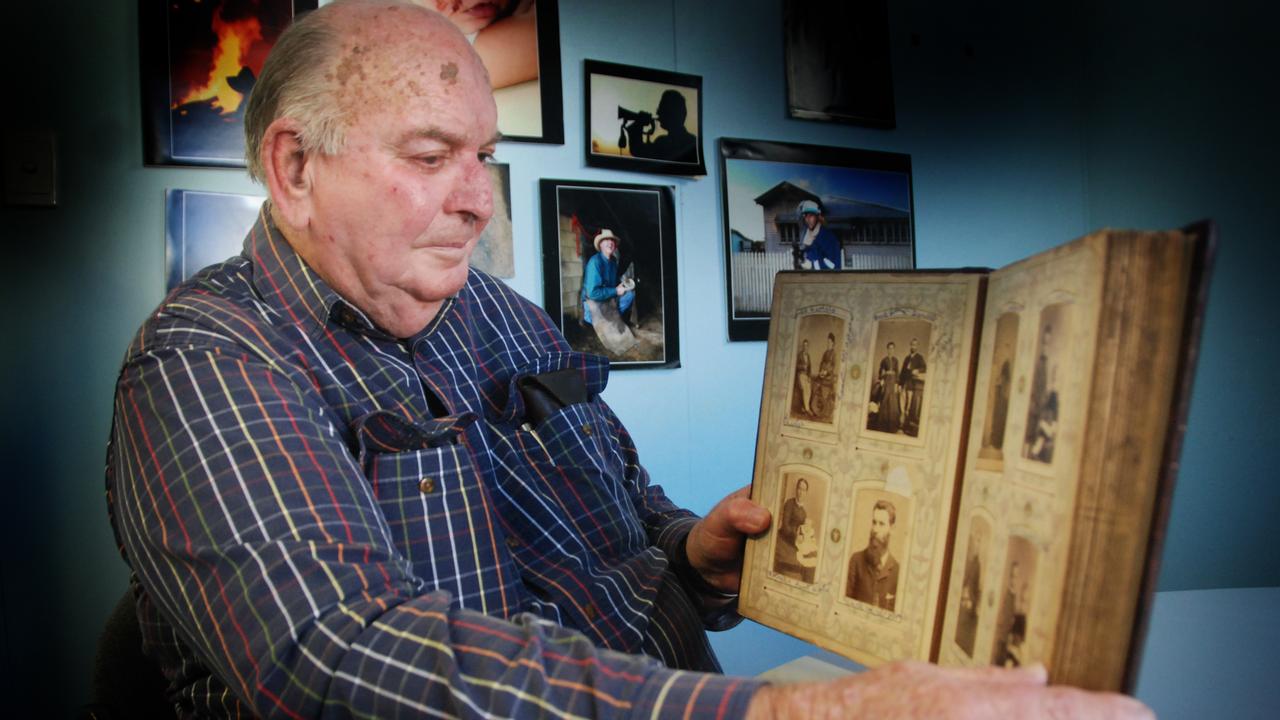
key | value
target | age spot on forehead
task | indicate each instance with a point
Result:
(350, 65)
(449, 73)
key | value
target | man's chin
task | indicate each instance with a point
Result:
(446, 279)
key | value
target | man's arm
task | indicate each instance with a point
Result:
(907, 690)
(638, 141)
(256, 534)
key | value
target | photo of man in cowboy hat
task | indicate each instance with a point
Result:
(608, 303)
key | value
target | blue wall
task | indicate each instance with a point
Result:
(1025, 127)
(1182, 123)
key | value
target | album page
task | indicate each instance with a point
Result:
(858, 445)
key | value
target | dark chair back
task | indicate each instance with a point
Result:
(126, 683)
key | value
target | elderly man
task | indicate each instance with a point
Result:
(334, 496)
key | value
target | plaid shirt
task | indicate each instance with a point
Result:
(324, 520)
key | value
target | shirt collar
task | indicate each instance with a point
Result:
(282, 277)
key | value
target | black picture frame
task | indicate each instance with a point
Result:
(862, 194)
(838, 61)
(533, 111)
(181, 125)
(202, 228)
(621, 100)
(642, 217)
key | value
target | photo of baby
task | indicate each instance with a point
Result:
(514, 39)
(503, 32)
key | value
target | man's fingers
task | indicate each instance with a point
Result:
(913, 689)
(1030, 675)
(747, 517)
(1066, 702)
(1056, 701)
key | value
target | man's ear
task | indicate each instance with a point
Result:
(286, 170)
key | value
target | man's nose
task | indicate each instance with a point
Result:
(472, 192)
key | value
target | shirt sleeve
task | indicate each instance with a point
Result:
(668, 527)
(253, 531)
(597, 288)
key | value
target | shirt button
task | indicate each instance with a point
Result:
(427, 485)
(590, 612)
(513, 542)
(586, 429)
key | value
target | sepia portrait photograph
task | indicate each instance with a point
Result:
(519, 43)
(609, 270)
(874, 572)
(644, 120)
(975, 558)
(806, 207)
(899, 376)
(1045, 399)
(838, 67)
(799, 521)
(1014, 603)
(999, 388)
(815, 387)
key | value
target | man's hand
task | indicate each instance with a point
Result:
(921, 690)
(715, 543)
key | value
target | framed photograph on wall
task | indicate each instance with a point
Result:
(807, 207)
(609, 270)
(838, 66)
(519, 42)
(202, 228)
(643, 120)
(200, 59)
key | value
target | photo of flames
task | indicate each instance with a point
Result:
(216, 49)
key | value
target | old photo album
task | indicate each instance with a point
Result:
(972, 467)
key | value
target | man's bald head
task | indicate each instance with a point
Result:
(350, 55)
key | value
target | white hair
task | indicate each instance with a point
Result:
(296, 82)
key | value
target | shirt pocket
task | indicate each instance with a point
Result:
(569, 495)
(575, 435)
(579, 483)
(439, 512)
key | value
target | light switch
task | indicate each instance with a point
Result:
(30, 167)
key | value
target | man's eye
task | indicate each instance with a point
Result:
(431, 160)
(486, 157)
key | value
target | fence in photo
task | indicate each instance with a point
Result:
(753, 279)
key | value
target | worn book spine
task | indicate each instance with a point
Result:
(1125, 472)
(1204, 239)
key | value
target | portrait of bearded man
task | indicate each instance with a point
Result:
(873, 570)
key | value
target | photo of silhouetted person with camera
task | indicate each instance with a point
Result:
(643, 120)
(677, 145)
